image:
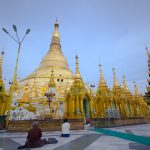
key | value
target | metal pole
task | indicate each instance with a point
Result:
(13, 86)
(16, 67)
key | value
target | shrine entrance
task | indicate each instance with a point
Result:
(86, 108)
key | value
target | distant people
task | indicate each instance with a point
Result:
(34, 137)
(88, 121)
(65, 129)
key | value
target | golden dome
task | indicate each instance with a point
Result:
(54, 58)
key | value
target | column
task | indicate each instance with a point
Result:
(81, 104)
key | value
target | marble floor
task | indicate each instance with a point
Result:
(82, 140)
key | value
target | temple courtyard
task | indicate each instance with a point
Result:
(136, 137)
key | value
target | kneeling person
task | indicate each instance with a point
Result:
(34, 137)
(65, 129)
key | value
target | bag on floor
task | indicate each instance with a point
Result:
(52, 140)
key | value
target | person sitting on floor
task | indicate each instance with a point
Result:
(65, 129)
(34, 137)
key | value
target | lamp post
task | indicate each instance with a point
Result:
(60, 80)
(19, 42)
(92, 86)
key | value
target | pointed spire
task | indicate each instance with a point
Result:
(102, 81)
(124, 84)
(77, 74)
(56, 25)
(1, 63)
(136, 91)
(148, 53)
(54, 57)
(55, 43)
(1, 70)
(115, 78)
(52, 82)
(1, 60)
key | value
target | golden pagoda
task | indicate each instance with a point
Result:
(54, 58)
(126, 99)
(116, 93)
(4, 96)
(78, 102)
(141, 108)
(103, 97)
(147, 94)
(55, 102)
(54, 86)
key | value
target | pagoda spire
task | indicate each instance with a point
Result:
(102, 80)
(115, 78)
(1, 64)
(136, 90)
(77, 74)
(56, 26)
(148, 53)
(52, 82)
(124, 84)
(54, 56)
(1, 70)
(55, 43)
(147, 94)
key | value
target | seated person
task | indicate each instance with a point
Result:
(65, 129)
(34, 137)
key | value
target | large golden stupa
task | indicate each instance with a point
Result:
(30, 92)
(55, 59)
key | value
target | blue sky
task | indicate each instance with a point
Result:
(110, 32)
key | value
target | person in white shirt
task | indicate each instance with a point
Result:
(65, 129)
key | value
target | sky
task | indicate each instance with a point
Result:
(107, 32)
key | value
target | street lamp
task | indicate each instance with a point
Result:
(91, 87)
(60, 80)
(19, 42)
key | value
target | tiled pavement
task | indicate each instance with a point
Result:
(82, 140)
(80, 143)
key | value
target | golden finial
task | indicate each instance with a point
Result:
(52, 82)
(115, 78)
(2, 53)
(77, 75)
(147, 50)
(102, 81)
(56, 25)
